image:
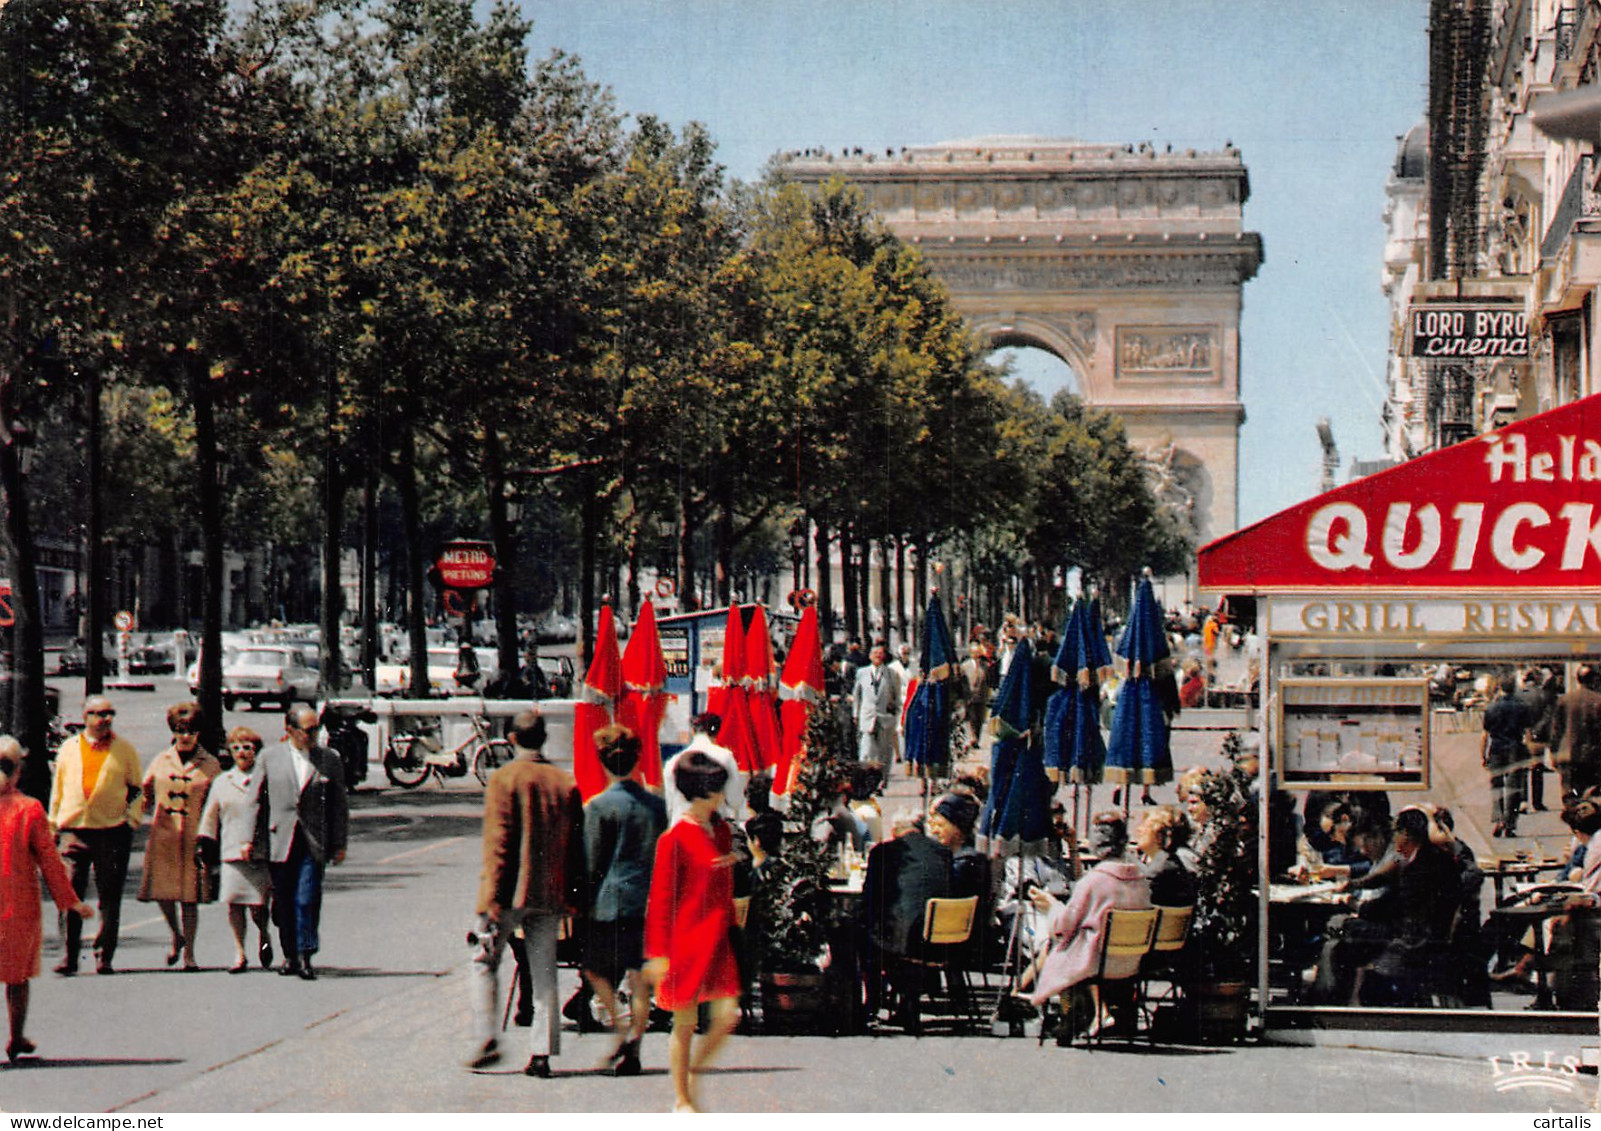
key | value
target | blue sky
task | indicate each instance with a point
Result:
(1313, 92)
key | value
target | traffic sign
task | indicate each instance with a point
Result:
(7, 616)
(123, 620)
(466, 565)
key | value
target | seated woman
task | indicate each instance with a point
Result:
(1573, 940)
(1163, 832)
(1078, 925)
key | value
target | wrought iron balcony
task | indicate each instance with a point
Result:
(1580, 201)
(1567, 31)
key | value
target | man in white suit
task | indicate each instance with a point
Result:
(876, 707)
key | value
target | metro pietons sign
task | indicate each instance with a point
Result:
(1468, 331)
(465, 565)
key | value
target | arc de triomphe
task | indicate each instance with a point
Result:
(1125, 262)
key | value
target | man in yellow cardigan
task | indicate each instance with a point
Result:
(95, 805)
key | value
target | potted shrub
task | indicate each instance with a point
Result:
(1223, 934)
(790, 906)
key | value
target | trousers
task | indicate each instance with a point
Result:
(104, 852)
(297, 900)
(539, 931)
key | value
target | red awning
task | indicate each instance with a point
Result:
(1519, 508)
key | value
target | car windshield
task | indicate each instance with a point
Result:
(262, 658)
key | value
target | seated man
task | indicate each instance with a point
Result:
(1351, 941)
(1426, 885)
(903, 874)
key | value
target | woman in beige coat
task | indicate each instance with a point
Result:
(175, 789)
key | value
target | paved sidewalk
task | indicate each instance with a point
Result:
(403, 1053)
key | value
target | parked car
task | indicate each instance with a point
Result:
(559, 674)
(261, 673)
(395, 678)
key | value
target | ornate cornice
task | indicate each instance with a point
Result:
(1074, 270)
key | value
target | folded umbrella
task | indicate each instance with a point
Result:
(597, 705)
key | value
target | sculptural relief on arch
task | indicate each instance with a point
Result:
(1125, 262)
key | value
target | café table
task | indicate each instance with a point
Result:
(1521, 918)
(1298, 919)
(1501, 870)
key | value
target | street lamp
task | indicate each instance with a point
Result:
(797, 550)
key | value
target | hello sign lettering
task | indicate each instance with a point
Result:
(1519, 508)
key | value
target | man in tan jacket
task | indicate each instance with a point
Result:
(533, 864)
(96, 801)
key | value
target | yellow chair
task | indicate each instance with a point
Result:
(947, 926)
(1172, 933)
(1126, 934)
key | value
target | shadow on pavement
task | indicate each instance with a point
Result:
(373, 972)
(90, 1062)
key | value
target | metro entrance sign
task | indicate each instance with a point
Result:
(466, 565)
(8, 617)
(1515, 509)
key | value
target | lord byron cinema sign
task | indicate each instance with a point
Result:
(1469, 331)
(1515, 509)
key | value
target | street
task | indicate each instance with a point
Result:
(386, 1026)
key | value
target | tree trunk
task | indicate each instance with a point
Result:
(920, 591)
(825, 584)
(900, 590)
(416, 564)
(28, 720)
(369, 575)
(687, 597)
(864, 586)
(209, 488)
(886, 594)
(505, 542)
(332, 674)
(94, 639)
(725, 548)
(588, 535)
(847, 581)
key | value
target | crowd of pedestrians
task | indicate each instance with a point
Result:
(255, 835)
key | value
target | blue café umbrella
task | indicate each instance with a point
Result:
(1017, 810)
(1062, 707)
(1089, 750)
(928, 718)
(1138, 750)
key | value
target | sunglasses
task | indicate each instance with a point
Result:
(179, 732)
(105, 714)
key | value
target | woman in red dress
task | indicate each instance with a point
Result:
(26, 849)
(690, 958)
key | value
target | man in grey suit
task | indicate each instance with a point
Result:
(876, 706)
(304, 819)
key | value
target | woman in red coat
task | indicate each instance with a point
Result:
(690, 958)
(26, 849)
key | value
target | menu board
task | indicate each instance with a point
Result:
(1353, 733)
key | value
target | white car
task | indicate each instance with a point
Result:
(279, 673)
(395, 679)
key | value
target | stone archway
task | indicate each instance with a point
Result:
(1126, 263)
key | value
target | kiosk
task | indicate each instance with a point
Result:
(1394, 610)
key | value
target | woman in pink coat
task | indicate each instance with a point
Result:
(1076, 927)
(26, 849)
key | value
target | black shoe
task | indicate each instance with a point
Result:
(289, 969)
(104, 967)
(66, 967)
(538, 1066)
(625, 1061)
(307, 974)
(524, 1017)
(486, 1054)
(264, 954)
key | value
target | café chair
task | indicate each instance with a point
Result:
(1162, 963)
(741, 910)
(947, 927)
(1128, 935)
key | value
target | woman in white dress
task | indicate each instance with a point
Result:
(229, 823)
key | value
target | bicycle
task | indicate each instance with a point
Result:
(410, 758)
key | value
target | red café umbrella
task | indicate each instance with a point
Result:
(738, 733)
(644, 703)
(597, 701)
(758, 680)
(800, 688)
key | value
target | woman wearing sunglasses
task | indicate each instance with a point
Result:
(26, 850)
(228, 835)
(175, 788)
